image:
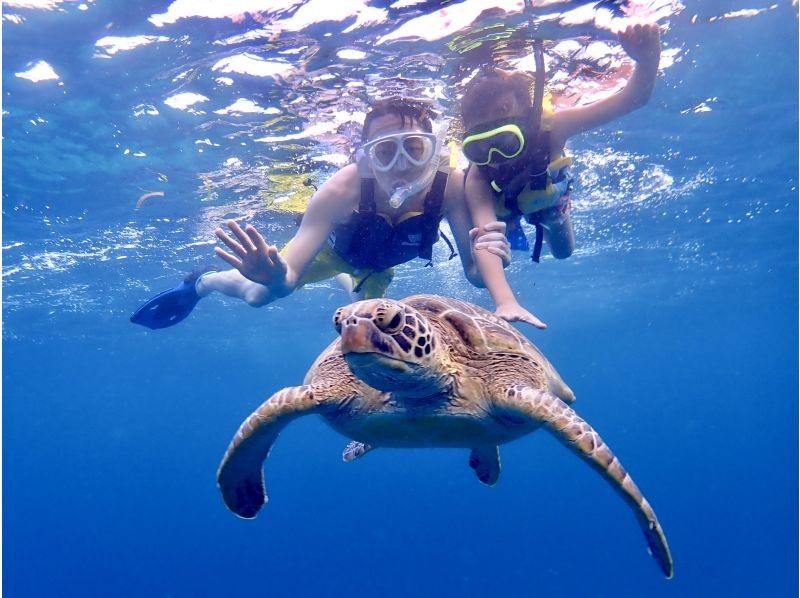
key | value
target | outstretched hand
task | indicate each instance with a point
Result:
(251, 256)
(642, 42)
(492, 240)
(516, 313)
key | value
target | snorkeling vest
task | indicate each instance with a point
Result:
(369, 241)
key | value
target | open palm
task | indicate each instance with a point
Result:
(251, 256)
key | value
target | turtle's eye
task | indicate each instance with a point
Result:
(388, 318)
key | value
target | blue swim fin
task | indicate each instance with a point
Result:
(170, 307)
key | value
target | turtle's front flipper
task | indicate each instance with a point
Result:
(354, 450)
(485, 460)
(567, 426)
(240, 476)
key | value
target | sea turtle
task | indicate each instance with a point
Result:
(428, 371)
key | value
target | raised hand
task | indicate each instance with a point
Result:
(642, 42)
(251, 256)
(492, 240)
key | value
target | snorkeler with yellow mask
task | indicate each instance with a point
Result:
(515, 146)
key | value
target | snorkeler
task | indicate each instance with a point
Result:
(370, 216)
(518, 168)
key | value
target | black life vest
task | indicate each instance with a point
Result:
(369, 242)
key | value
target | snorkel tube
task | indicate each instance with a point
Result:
(535, 173)
(538, 59)
(401, 194)
(535, 157)
(538, 86)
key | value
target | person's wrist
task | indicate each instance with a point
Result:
(506, 302)
(648, 60)
(281, 288)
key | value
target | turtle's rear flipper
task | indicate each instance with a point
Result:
(354, 450)
(485, 460)
(547, 409)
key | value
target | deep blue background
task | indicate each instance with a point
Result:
(677, 331)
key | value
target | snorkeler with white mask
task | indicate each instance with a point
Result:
(370, 216)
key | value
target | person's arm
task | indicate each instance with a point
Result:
(467, 241)
(261, 263)
(643, 45)
(478, 198)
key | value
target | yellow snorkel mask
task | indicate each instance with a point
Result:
(495, 142)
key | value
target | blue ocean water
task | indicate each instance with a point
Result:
(675, 322)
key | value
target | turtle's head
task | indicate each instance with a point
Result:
(390, 346)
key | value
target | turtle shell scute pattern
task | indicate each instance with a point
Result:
(480, 330)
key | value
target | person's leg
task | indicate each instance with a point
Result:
(348, 284)
(233, 284)
(375, 285)
(558, 232)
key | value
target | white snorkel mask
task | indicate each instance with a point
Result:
(413, 149)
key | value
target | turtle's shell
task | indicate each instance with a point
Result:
(475, 331)
(478, 329)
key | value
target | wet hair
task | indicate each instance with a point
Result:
(486, 87)
(412, 111)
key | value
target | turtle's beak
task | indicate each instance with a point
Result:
(360, 335)
(355, 339)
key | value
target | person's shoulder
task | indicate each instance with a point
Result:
(339, 194)
(344, 180)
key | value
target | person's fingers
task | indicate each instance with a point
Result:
(256, 239)
(273, 256)
(505, 256)
(534, 321)
(473, 232)
(245, 241)
(495, 226)
(225, 256)
(502, 243)
(493, 246)
(654, 33)
(491, 238)
(498, 251)
(230, 242)
(634, 37)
